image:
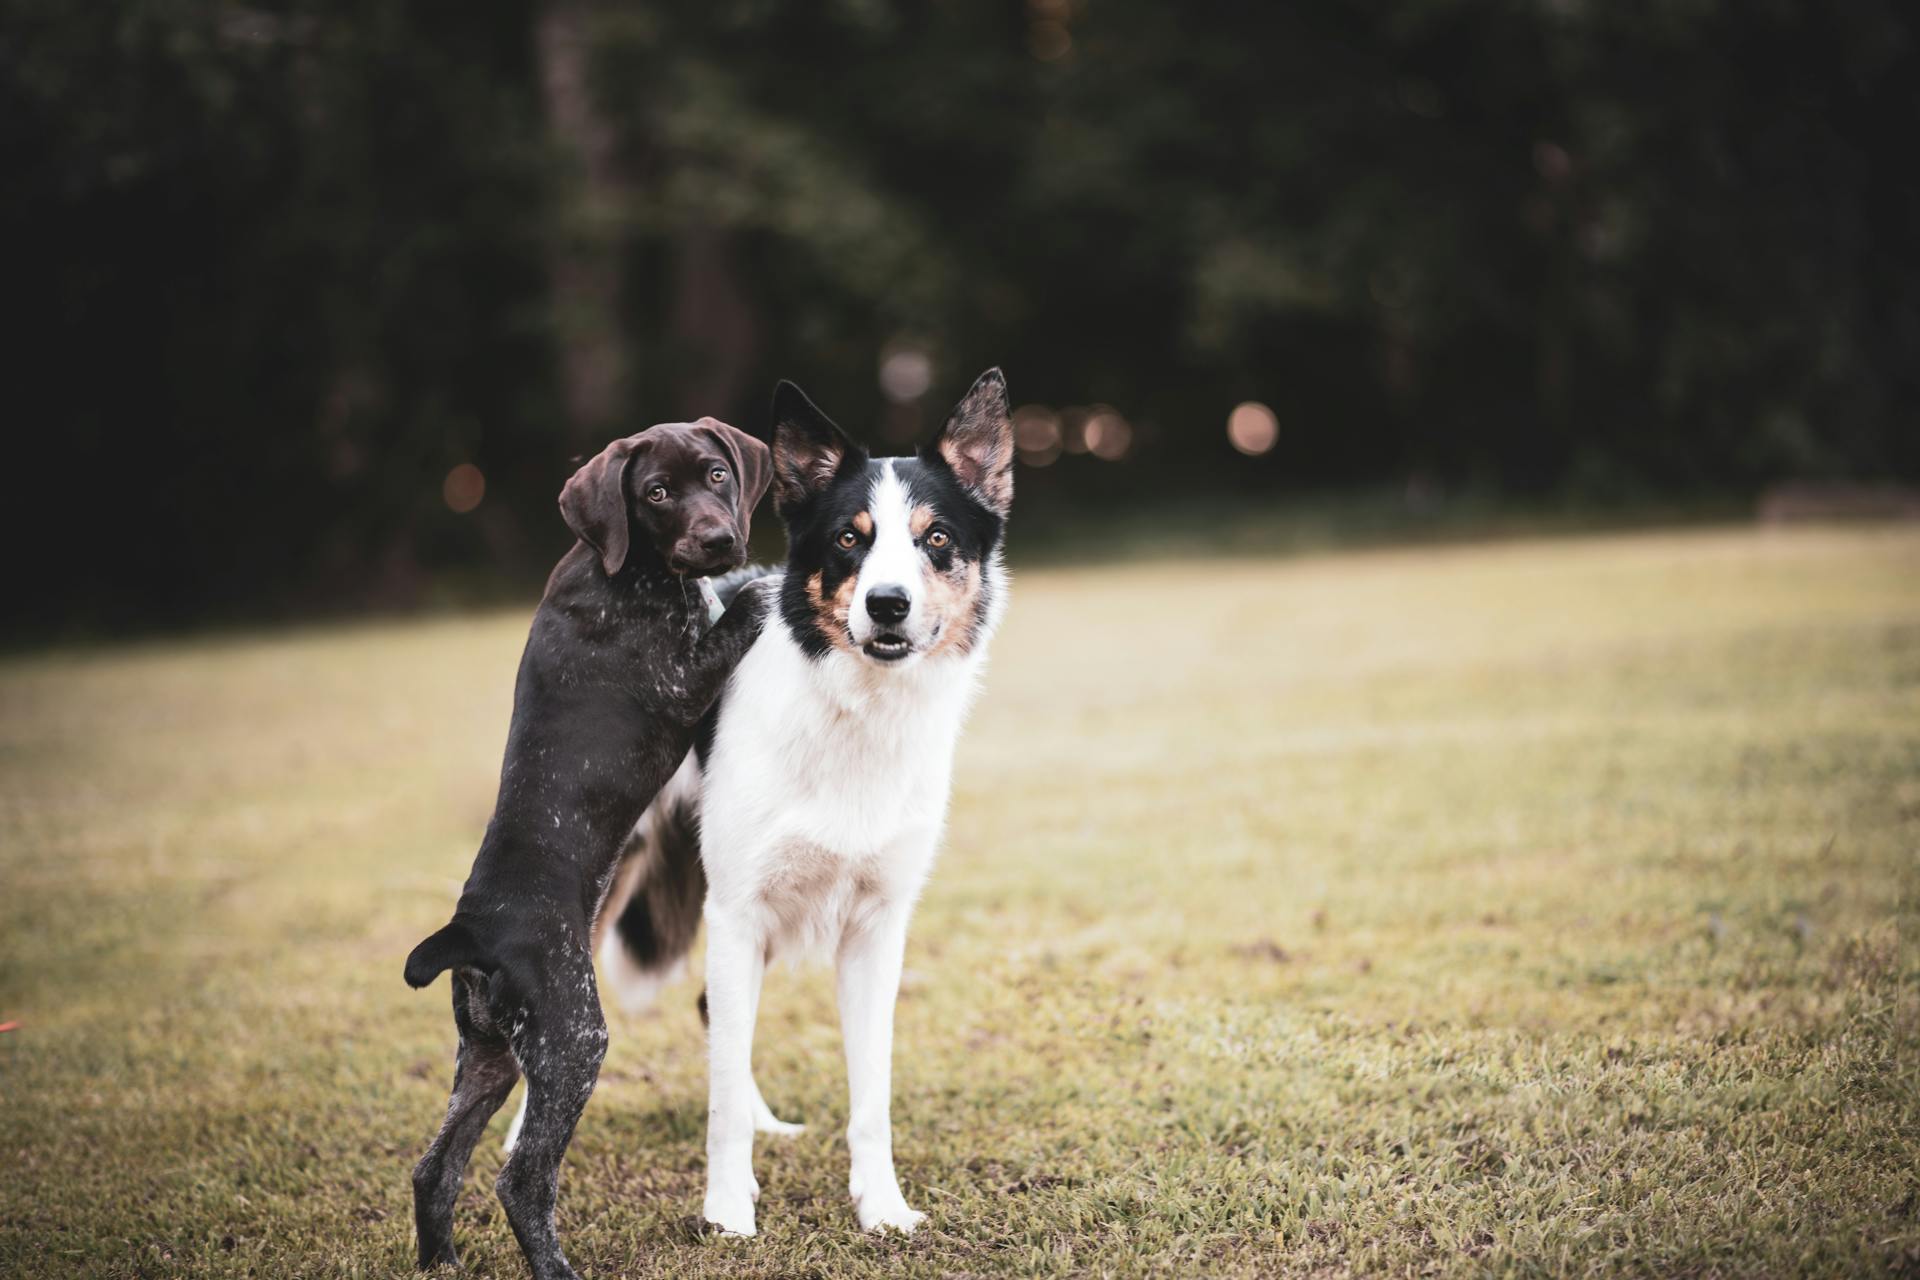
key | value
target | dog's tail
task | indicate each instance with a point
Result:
(450, 948)
(667, 887)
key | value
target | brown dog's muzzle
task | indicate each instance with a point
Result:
(710, 543)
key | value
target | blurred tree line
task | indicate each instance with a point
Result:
(278, 269)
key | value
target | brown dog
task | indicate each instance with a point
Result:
(615, 676)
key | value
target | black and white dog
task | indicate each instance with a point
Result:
(825, 770)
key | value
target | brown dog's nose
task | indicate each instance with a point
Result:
(717, 542)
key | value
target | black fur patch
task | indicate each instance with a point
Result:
(660, 919)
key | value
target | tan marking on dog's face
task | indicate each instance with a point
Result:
(953, 597)
(920, 519)
(833, 613)
(863, 523)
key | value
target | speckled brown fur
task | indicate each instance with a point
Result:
(615, 676)
(983, 459)
(955, 595)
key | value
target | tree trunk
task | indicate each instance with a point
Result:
(586, 254)
(716, 330)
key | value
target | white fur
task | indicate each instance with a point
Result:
(823, 802)
(892, 561)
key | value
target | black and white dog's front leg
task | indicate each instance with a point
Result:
(869, 985)
(736, 963)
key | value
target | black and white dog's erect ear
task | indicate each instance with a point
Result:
(977, 442)
(594, 502)
(808, 449)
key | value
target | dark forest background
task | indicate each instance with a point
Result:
(283, 276)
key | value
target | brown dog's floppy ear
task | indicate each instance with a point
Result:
(752, 468)
(977, 442)
(594, 502)
(808, 449)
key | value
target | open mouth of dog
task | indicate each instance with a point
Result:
(888, 646)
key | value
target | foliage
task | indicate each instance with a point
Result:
(284, 265)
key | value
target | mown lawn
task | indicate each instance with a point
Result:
(1544, 907)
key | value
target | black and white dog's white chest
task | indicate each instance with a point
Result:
(826, 786)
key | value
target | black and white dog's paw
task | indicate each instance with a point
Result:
(881, 1212)
(730, 1209)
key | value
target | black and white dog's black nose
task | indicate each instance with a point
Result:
(888, 604)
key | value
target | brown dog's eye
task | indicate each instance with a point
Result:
(656, 493)
(718, 475)
(848, 540)
(939, 538)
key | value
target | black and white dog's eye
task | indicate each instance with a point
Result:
(938, 538)
(848, 540)
(656, 493)
(718, 475)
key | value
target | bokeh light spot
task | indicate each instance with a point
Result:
(464, 487)
(1036, 433)
(1108, 435)
(1049, 41)
(1252, 428)
(905, 374)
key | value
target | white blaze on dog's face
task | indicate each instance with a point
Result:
(890, 613)
(893, 559)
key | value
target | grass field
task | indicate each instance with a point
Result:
(1542, 907)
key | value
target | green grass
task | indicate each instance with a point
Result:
(1544, 907)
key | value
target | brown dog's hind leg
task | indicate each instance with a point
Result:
(560, 1044)
(483, 1075)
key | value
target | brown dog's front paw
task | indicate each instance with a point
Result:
(761, 595)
